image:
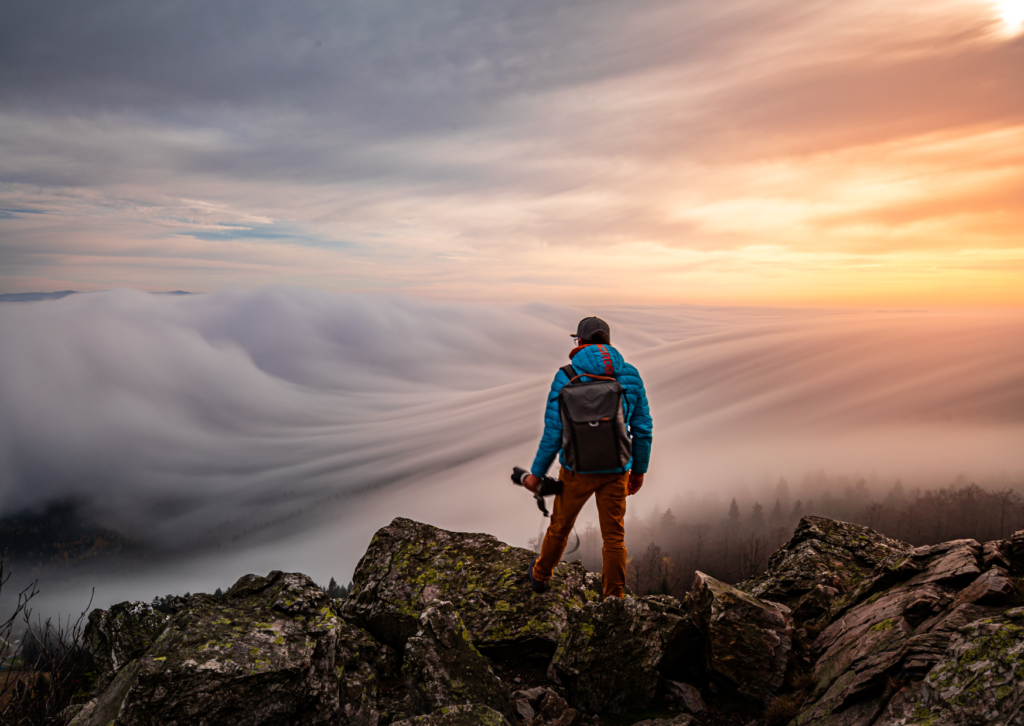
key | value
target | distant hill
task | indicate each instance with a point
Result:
(37, 296)
(34, 296)
(60, 535)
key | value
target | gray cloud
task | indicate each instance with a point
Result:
(471, 71)
(468, 126)
(171, 414)
(278, 428)
(401, 66)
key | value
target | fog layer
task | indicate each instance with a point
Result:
(279, 427)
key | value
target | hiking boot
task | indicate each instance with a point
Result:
(538, 586)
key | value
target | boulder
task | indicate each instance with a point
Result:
(823, 553)
(1015, 552)
(747, 641)
(524, 709)
(979, 679)
(612, 654)
(812, 605)
(269, 651)
(901, 632)
(542, 706)
(104, 709)
(362, 661)
(443, 668)
(553, 710)
(998, 553)
(410, 566)
(115, 637)
(685, 695)
(532, 695)
(474, 715)
(680, 720)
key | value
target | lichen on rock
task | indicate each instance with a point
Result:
(115, 637)
(822, 553)
(443, 668)
(475, 715)
(898, 624)
(901, 636)
(612, 654)
(409, 566)
(980, 679)
(266, 652)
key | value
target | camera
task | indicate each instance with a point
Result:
(547, 487)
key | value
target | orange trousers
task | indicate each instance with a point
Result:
(610, 490)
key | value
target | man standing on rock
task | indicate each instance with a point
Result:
(605, 455)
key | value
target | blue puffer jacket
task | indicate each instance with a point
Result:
(601, 360)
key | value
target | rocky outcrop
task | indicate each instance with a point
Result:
(685, 695)
(612, 655)
(410, 566)
(979, 678)
(899, 625)
(1014, 549)
(443, 668)
(747, 641)
(474, 715)
(269, 651)
(846, 627)
(116, 637)
(681, 720)
(823, 560)
(543, 707)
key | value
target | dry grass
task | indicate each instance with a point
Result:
(813, 630)
(804, 683)
(9, 681)
(894, 684)
(783, 709)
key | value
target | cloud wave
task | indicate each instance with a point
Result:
(186, 420)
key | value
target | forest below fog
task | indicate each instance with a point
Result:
(669, 545)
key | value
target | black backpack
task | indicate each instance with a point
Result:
(594, 433)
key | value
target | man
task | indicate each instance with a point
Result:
(592, 355)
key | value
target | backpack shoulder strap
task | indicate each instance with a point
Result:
(574, 376)
(569, 371)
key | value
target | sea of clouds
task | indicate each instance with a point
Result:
(248, 430)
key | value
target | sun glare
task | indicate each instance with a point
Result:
(1012, 13)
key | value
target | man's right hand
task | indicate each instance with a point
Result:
(531, 483)
(635, 482)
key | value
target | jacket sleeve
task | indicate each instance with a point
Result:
(641, 429)
(551, 440)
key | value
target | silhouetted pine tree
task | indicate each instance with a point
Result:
(777, 516)
(734, 513)
(757, 516)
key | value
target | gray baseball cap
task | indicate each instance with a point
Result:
(589, 326)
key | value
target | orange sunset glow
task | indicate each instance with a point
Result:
(850, 154)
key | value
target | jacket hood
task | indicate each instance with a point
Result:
(598, 359)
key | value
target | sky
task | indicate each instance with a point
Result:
(728, 152)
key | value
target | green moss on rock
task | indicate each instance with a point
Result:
(410, 566)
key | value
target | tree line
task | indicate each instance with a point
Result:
(668, 546)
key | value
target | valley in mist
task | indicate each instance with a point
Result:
(277, 428)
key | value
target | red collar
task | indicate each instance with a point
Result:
(577, 349)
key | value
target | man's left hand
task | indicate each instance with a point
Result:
(635, 482)
(531, 483)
